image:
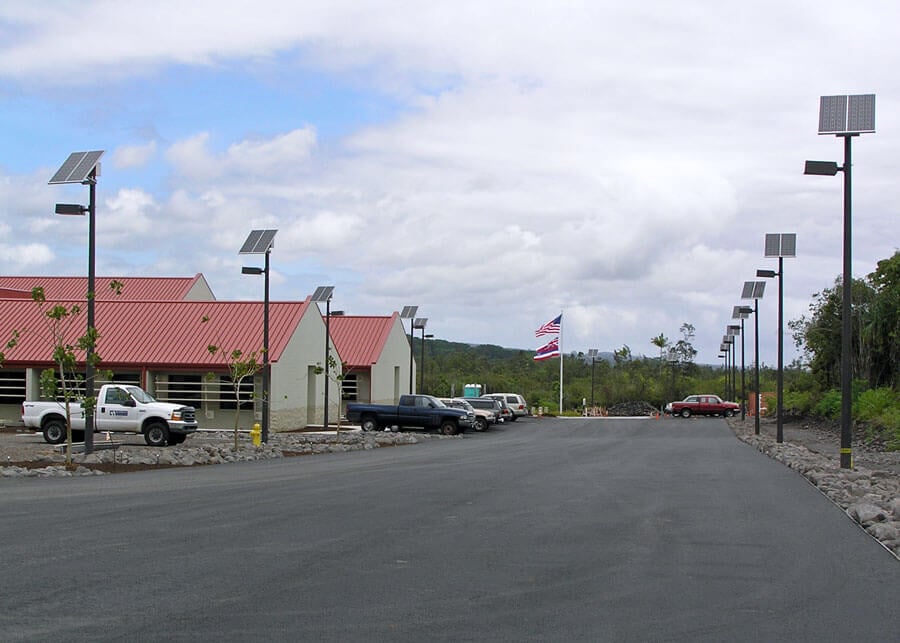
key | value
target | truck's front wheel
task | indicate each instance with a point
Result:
(449, 427)
(54, 431)
(156, 435)
(369, 423)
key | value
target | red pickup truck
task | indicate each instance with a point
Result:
(702, 405)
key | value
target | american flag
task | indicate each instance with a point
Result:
(548, 350)
(550, 328)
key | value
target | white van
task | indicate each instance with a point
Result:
(516, 403)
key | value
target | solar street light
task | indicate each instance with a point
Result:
(742, 312)
(409, 312)
(846, 116)
(260, 242)
(84, 168)
(422, 376)
(754, 290)
(323, 293)
(419, 323)
(779, 245)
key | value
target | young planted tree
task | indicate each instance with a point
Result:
(59, 322)
(336, 377)
(240, 367)
(13, 341)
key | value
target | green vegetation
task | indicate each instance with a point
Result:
(811, 384)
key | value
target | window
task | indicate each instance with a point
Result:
(184, 389)
(116, 396)
(12, 387)
(349, 387)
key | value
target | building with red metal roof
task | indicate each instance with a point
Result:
(132, 288)
(154, 335)
(375, 353)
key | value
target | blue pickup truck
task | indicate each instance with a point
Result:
(421, 411)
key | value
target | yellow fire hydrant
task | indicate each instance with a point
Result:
(256, 435)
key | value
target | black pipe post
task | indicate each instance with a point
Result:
(846, 326)
(422, 365)
(743, 382)
(327, 356)
(266, 376)
(780, 404)
(758, 399)
(89, 353)
(411, 356)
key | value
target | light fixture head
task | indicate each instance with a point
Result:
(766, 273)
(821, 168)
(70, 208)
(251, 270)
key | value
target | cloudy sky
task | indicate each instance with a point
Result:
(492, 162)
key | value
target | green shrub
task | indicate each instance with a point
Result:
(889, 423)
(873, 403)
(798, 402)
(829, 405)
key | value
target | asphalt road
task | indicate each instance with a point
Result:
(556, 530)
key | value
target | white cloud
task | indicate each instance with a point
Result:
(131, 156)
(266, 159)
(27, 257)
(621, 163)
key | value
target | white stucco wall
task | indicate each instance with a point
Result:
(390, 375)
(292, 407)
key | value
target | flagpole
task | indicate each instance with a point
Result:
(561, 354)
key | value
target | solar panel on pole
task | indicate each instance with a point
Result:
(323, 293)
(842, 115)
(76, 168)
(781, 245)
(258, 242)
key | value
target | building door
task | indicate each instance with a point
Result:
(311, 399)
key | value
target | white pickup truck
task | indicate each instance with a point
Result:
(120, 408)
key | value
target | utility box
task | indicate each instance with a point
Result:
(472, 390)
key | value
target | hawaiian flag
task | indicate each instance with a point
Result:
(550, 328)
(548, 350)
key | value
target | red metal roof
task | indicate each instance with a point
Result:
(155, 334)
(360, 340)
(75, 288)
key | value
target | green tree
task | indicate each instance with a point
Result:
(240, 367)
(59, 321)
(335, 376)
(881, 330)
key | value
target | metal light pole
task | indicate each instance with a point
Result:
(735, 330)
(754, 290)
(723, 355)
(84, 168)
(323, 293)
(726, 346)
(780, 245)
(845, 116)
(261, 242)
(419, 323)
(409, 312)
(422, 374)
(742, 312)
(592, 353)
